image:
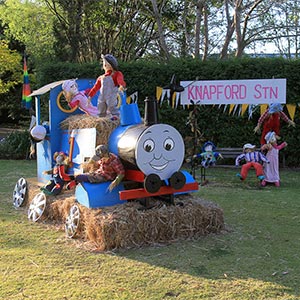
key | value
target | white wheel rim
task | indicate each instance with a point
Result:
(72, 221)
(19, 193)
(37, 207)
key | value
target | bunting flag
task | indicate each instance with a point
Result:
(291, 109)
(231, 106)
(26, 100)
(244, 108)
(263, 108)
(159, 91)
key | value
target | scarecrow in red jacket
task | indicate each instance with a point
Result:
(59, 175)
(109, 85)
(271, 121)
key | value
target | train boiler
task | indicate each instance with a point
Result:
(151, 152)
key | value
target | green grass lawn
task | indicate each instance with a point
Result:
(257, 257)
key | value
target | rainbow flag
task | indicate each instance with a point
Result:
(26, 101)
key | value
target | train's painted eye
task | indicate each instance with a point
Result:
(149, 145)
(168, 144)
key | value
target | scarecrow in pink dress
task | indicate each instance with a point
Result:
(78, 99)
(271, 170)
(109, 85)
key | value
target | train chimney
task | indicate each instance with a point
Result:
(151, 112)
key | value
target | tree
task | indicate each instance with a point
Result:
(31, 23)
(10, 68)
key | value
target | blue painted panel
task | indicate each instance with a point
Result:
(44, 160)
(94, 195)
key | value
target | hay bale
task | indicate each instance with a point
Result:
(127, 226)
(131, 225)
(104, 126)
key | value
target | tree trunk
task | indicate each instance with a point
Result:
(229, 32)
(162, 41)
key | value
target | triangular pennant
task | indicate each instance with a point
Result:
(291, 109)
(231, 108)
(235, 108)
(163, 94)
(158, 92)
(177, 99)
(173, 99)
(263, 108)
(244, 108)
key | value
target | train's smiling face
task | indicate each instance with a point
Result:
(160, 150)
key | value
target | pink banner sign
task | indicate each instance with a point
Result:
(256, 91)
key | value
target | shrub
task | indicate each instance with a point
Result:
(15, 145)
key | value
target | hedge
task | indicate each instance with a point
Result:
(214, 124)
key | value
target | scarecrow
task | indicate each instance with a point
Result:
(59, 175)
(208, 156)
(253, 159)
(106, 167)
(270, 120)
(78, 99)
(271, 170)
(109, 85)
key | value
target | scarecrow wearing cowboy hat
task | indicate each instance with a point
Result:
(78, 99)
(272, 170)
(253, 159)
(271, 121)
(109, 85)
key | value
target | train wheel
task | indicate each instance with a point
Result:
(152, 183)
(177, 180)
(19, 194)
(37, 207)
(72, 221)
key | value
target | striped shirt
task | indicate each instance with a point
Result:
(254, 156)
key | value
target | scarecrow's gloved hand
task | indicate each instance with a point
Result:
(291, 123)
(257, 129)
(115, 182)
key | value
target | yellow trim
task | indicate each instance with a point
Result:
(68, 111)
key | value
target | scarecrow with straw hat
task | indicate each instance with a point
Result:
(109, 85)
(253, 159)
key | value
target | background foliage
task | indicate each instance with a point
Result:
(214, 122)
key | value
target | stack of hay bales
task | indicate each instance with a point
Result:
(132, 225)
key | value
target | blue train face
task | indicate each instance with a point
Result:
(159, 150)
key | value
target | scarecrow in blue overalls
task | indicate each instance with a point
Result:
(109, 85)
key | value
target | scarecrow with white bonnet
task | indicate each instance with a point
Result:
(253, 159)
(109, 85)
(78, 99)
(271, 170)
